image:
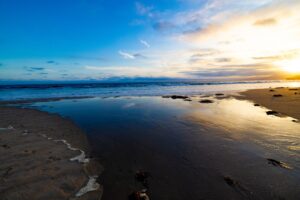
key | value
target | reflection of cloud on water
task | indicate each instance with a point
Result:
(128, 105)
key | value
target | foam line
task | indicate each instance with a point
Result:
(10, 127)
(91, 185)
(80, 158)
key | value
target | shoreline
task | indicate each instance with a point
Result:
(282, 101)
(44, 156)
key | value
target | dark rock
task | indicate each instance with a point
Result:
(229, 181)
(277, 163)
(272, 90)
(219, 94)
(293, 89)
(140, 195)
(142, 177)
(277, 95)
(188, 99)
(176, 97)
(5, 146)
(206, 101)
(256, 104)
(294, 121)
(272, 112)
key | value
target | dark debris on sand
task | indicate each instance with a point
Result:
(277, 95)
(176, 97)
(142, 177)
(272, 112)
(237, 187)
(277, 163)
(206, 101)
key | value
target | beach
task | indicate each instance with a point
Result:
(284, 100)
(210, 146)
(41, 157)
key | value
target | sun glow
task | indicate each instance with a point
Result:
(291, 66)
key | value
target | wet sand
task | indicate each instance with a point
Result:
(285, 101)
(191, 150)
(43, 156)
(226, 149)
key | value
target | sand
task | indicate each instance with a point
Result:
(288, 104)
(44, 156)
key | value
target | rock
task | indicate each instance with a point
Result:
(277, 163)
(176, 97)
(256, 104)
(277, 95)
(219, 94)
(142, 177)
(140, 195)
(206, 101)
(293, 89)
(229, 181)
(272, 90)
(272, 112)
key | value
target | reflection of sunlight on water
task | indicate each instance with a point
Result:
(294, 84)
(242, 120)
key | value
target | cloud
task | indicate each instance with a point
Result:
(126, 55)
(265, 22)
(290, 54)
(221, 60)
(52, 62)
(37, 68)
(130, 56)
(201, 54)
(143, 9)
(246, 71)
(145, 43)
(164, 26)
(239, 39)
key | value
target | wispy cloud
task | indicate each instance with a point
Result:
(126, 55)
(52, 62)
(37, 68)
(131, 56)
(265, 22)
(145, 43)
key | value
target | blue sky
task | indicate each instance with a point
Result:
(98, 39)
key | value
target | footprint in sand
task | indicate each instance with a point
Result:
(5, 146)
(236, 186)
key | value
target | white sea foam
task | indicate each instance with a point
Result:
(80, 158)
(10, 127)
(91, 185)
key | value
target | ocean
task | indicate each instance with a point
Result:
(37, 91)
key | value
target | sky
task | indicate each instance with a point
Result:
(186, 39)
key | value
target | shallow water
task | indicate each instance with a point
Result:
(188, 147)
